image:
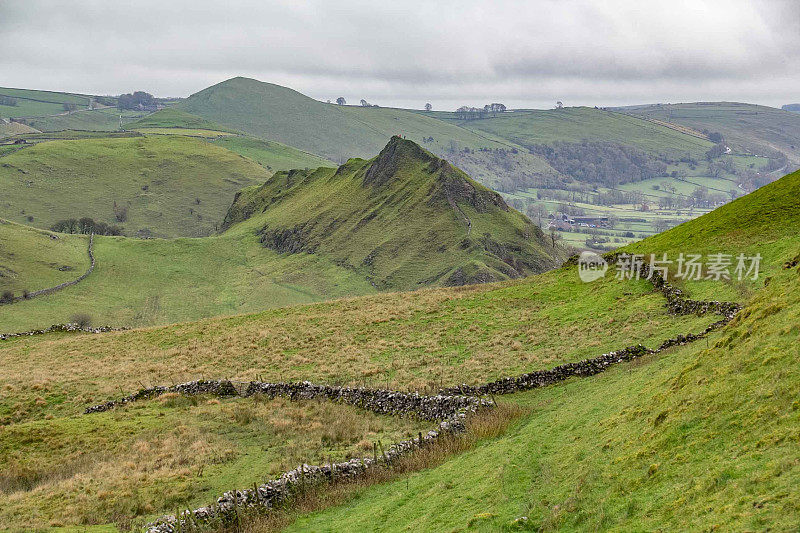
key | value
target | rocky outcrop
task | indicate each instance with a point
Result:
(68, 328)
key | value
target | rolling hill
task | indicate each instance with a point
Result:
(277, 113)
(402, 220)
(152, 186)
(577, 124)
(747, 128)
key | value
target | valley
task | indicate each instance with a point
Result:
(255, 236)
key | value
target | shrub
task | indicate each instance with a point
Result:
(7, 297)
(120, 212)
(83, 320)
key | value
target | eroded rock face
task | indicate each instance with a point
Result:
(287, 240)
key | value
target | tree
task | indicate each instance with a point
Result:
(69, 107)
(364, 103)
(341, 100)
(554, 236)
(8, 100)
(135, 100)
(559, 104)
(428, 107)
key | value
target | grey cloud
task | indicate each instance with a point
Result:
(599, 52)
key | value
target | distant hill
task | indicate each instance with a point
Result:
(576, 124)
(405, 218)
(748, 128)
(336, 132)
(794, 108)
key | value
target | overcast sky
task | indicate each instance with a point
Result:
(524, 54)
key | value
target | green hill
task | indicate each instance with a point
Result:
(336, 132)
(173, 118)
(161, 185)
(405, 218)
(576, 124)
(402, 220)
(748, 128)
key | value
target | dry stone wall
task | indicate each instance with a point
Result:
(51, 290)
(68, 328)
(450, 408)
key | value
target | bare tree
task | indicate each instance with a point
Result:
(554, 236)
(341, 100)
(428, 107)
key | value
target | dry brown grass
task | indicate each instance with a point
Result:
(174, 451)
(487, 424)
(417, 341)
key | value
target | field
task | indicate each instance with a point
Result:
(703, 436)
(37, 103)
(575, 124)
(13, 128)
(272, 155)
(173, 118)
(168, 185)
(206, 134)
(746, 127)
(148, 459)
(106, 119)
(31, 259)
(144, 282)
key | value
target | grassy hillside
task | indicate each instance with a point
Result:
(745, 127)
(168, 185)
(173, 118)
(574, 124)
(355, 237)
(702, 436)
(272, 155)
(336, 132)
(105, 119)
(14, 128)
(144, 282)
(33, 259)
(404, 219)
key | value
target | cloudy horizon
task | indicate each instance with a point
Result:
(524, 54)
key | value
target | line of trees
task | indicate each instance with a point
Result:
(85, 226)
(471, 113)
(8, 100)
